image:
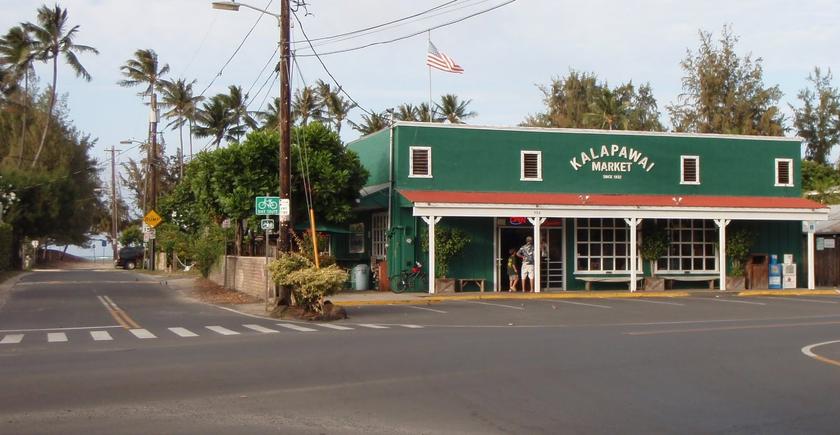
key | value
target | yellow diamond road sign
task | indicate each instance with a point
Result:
(152, 219)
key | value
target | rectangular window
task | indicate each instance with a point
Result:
(602, 245)
(784, 172)
(378, 233)
(357, 238)
(692, 247)
(420, 165)
(530, 166)
(689, 170)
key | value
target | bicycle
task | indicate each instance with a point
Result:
(413, 278)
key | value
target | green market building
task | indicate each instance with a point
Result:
(585, 196)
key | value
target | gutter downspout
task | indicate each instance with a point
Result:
(391, 245)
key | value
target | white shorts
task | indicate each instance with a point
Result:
(527, 271)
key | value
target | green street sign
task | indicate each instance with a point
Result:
(267, 205)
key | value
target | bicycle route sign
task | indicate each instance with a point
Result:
(267, 205)
(267, 224)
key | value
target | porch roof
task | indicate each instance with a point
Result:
(505, 204)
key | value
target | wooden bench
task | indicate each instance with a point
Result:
(621, 278)
(477, 281)
(689, 278)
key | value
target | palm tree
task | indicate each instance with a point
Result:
(52, 39)
(240, 118)
(339, 107)
(305, 105)
(371, 123)
(271, 115)
(213, 119)
(407, 112)
(452, 110)
(16, 51)
(608, 111)
(178, 97)
(424, 114)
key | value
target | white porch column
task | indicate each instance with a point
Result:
(536, 222)
(721, 224)
(634, 225)
(431, 221)
(811, 258)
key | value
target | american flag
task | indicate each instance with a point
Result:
(438, 60)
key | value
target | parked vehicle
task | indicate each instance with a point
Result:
(129, 257)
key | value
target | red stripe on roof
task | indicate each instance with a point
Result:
(449, 197)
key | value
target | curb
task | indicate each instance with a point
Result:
(503, 296)
(789, 293)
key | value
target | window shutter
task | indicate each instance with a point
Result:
(531, 166)
(783, 170)
(420, 161)
(690, 170)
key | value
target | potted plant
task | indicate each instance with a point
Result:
(654, 245)
(738, 244)
(449, 243)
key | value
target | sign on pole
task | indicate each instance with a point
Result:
(267, 224)
(152, 219)
(809, 226)
(267, 205)
(284, 209)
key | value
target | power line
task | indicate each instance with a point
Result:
(390, 41)
(262, 71)
(466, 5)
(383, 24)
(340, 88)
(222, 69)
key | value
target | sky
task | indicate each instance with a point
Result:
(505, 53)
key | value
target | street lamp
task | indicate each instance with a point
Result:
(283, 118)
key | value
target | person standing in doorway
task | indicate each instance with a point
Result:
(513, 274)
(526, 253)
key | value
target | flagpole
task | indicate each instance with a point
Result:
(430, 81)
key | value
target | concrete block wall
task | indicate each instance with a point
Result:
(245, 274)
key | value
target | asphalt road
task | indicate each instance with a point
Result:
(92, 352)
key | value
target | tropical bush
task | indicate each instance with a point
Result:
(449, 243)
(207, 248)
(309, 285)
(738, 245)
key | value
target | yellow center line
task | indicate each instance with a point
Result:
(118, 314)
(730, 328)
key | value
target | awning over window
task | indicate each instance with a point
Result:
(505, 204)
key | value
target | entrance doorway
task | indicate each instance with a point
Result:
(551, 235)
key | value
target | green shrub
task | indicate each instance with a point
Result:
(654, 245)
(207, 248)
(309, 285)
(738, 245)
(5, 246)
(449, 243)
(131, 236)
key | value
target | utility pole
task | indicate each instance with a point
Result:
(114, 213)
(284, 121)
(153, 166)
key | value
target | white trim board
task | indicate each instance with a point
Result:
(568, 211)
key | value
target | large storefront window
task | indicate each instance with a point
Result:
(692, 247)
(602, 245)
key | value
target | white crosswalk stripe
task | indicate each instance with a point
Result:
(412, 326)
(56, 337)
(372, 326)
(298, 328)
(336, 327)
(221, 330)
(262, 329)
(12, 339)
(183, 332)
(142, 333)
(101, 336)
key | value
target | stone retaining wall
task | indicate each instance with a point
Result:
(245, 274)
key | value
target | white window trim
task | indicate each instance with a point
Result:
(411, 161)
(790, 172)
(716, 271)
(522, 165)
(639, 262)
(682, 169)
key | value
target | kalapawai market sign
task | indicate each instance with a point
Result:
(612, 158)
